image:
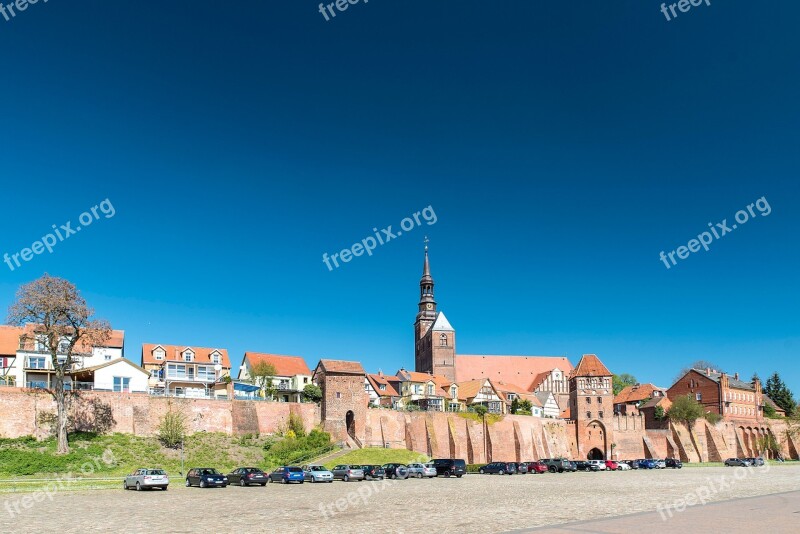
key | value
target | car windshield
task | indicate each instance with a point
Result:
(295, 470)
(156, 472)
(317, 468)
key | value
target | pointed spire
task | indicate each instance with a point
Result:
(426, 267)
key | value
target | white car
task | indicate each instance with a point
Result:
(660, 464)
(601, 464)
(146, 479)
(316, 473)
(421, 470)
(623, 466)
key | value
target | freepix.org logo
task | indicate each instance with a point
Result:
(370, 243)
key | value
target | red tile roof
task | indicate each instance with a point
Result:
(9, 338)
(637, 393)
(519, 370)
(378, 380)
(590, 365)
(174, 353)
(284, 365)
(341, 366)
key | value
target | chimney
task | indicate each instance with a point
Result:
(380, 373)
(708, 371)
(736, 376)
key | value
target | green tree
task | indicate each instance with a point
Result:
(620, 382)
(780, 394)
(481, 410)
(658, 413)
(63, 328)
(312, 392)
(172, 429)
(515, 405)
(686, 410)
(262, 374)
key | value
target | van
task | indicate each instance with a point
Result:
(449, 467)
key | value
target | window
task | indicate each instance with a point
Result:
(37, 362)
(176, 370)
(205, 373)
(107, 357)
(699, 396)
(155, 373)
(588, 400)
(215, 357)
(122, 384)
(443, 340)
(453, 391)
(588, 415)
(599, 400)
(158, 354)
(188, 356)
(338, 395)
(382, 387)
(600, 414)
(430, 389)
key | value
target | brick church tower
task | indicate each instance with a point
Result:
(434, 338)
(591, 403)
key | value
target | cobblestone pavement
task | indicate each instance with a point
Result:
(475, 503)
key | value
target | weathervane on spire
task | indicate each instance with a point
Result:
(426, 243)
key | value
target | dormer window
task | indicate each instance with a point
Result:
(382, 387)
(188, 356)
(158, 354)
(215, 358)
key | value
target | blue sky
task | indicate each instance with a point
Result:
(562, 146)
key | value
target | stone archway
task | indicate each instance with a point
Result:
(595, 454)
(350, 423)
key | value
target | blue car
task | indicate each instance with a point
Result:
(647, 464)
(287, 474)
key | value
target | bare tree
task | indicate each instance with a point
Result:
(62, 325)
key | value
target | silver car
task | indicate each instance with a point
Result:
(317, 473)
(348, 472)
(146, 479)
(661, 464)
(421, 470)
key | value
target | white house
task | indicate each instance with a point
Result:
(119, 375)
(550, 407)
(291, 377)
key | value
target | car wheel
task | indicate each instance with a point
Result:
(346, 478)
(393, 476)
(164, 488)
(283, 481)
(419, 475)
(457, 476)
(242, 483)
(188, 484)
(302, 481)
(138, 487)
(202, 483)
(269, 480)
(551, 469)
(481, 471)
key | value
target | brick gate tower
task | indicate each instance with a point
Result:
(344, 400)
(434, 338)
(591, 403)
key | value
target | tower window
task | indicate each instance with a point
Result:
(588, 400)
(588, 415)
(443, 340)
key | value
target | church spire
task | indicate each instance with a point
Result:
(427, 304)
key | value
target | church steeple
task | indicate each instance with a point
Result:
(427, 303)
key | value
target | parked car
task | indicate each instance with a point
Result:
(396, 471)
(287, 474)
(556, 465)
(633, 464)
(573, 466)
(586, 466)
(611, 465)
(536, 467)
(447, 467)
(374, 472)
(244, 476)
(205, 477)
(522, 468)
(500, 468)
(756, 461)
(732, 462)
(601, 464)
(348, 472)
(622, 466)
(660, 464)
(421, 470)
(645, 463)
(146, 479)
(316, 473)
(674, 463)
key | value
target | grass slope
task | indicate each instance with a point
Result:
(379, 456)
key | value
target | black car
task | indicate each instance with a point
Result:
(573, 466)
(556, 465)
(244, 476)
(395, 471)
(673, 463)
(373, 472)
(586, 466)
(449, 467)
(500, 468)
(206, 477)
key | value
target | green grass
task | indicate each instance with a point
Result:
(372, 456)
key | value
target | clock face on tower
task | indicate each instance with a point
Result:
(429, 306)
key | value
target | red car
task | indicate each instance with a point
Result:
(536, 467)
(611, 465)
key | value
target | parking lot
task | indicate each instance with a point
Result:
(474, 503)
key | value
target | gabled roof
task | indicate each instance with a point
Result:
(9, 338)
(637, 393)
(519, 370)
(115, 361)
(441, 323)
(341, 367)
(544, 396)
(470, 389)
(174, 353)
(376, 381)
(732, 382)
(590, 365)
(664, 402)
(284, 365)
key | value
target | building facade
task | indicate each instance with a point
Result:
(185, 371)
(721, 394)
(592, 408)
(291, 376)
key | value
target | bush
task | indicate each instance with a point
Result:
(291, 450)
(713, 418)
(312, 392)
(172, 429)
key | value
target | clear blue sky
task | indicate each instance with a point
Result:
(562, 145)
